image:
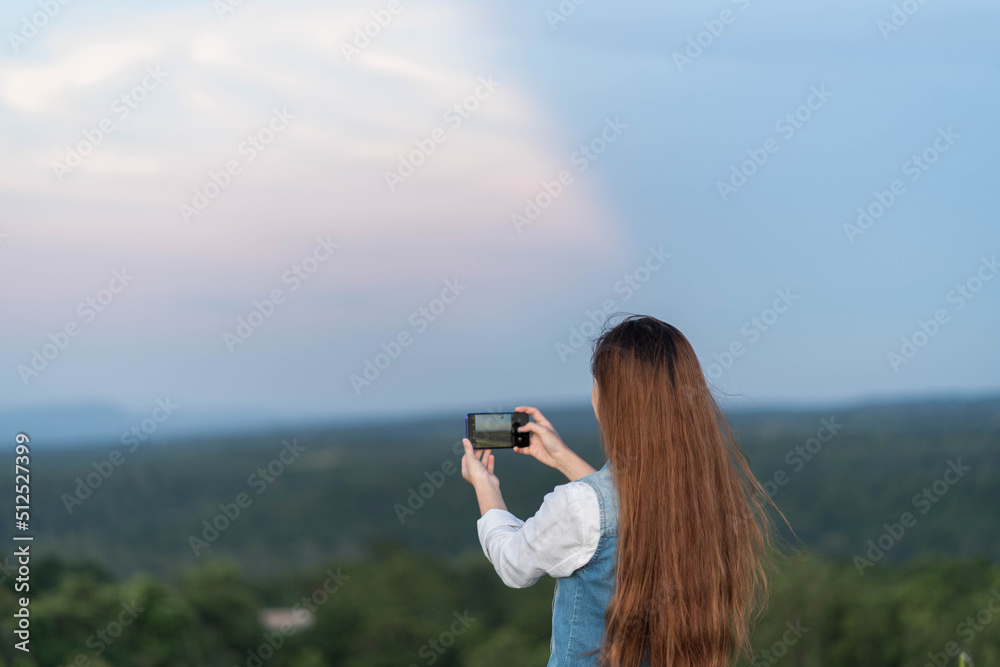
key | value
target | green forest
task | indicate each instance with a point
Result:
(173, 552)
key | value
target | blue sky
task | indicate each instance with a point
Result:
(833, 105)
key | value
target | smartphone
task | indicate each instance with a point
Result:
(496, 430)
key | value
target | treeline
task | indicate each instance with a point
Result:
(396, 607)
(841, 476)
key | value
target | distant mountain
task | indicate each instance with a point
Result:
(86, 424)
(93, 424)
(76, 423)
(840, 475)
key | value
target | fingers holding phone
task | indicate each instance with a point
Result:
(545, 443)
(477, 464)
(535, 414)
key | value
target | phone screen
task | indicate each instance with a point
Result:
(492, 430)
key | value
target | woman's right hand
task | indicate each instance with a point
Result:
(544, 444)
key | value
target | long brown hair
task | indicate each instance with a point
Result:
(694, 540)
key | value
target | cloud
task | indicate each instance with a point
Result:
(325, 173)
(45, 85)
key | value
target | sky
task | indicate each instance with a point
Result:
(257, 208)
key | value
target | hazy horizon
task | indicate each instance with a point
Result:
(93, 424)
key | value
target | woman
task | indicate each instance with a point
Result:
(660, 556)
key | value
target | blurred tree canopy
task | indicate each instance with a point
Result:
(399, 607)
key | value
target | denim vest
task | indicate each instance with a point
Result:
(581, 599)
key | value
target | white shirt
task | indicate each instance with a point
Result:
(561, 538)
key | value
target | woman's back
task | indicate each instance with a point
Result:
(581, 598)
(661, 556)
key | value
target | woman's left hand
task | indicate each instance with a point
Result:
(477, 465)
